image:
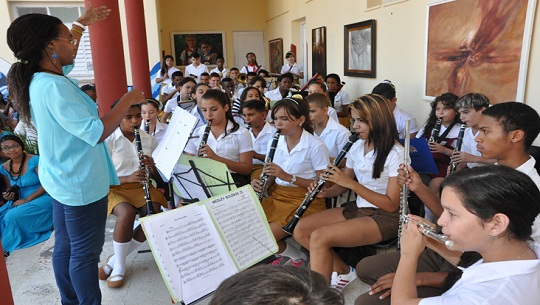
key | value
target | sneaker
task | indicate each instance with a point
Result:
(343, 280)
(297, 263)
(280, 260)
(333, 280)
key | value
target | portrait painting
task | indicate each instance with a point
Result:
(478, 46)
(209, 45)
(276, 55)
(360, 49)
(318, 48)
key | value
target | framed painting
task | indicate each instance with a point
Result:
(208, 44)
(318, 61)
(276, 55)
(360, 47)
(478, 46)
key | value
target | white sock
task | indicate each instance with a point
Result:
(133, 244)
(294, 253)
(121, 251)
(110, 262)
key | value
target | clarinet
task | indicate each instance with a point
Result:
(205, 135)
(404, 195)
(289, 227)
(428, 231)
(145, 183)
(435, 132)
(459, 143)
(147, 126)
(269, 157)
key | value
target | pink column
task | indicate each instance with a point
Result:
(138, 48)
(5, 287)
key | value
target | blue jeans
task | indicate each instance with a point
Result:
(79, 238)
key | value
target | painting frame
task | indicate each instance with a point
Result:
(318, 51)
(360, 47)
(460, 82)
(216, 39)
(275, 51)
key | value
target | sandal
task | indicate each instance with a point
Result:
(115, 283)
(102, 274)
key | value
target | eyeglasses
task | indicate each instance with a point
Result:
(7, 148)
(72, 41)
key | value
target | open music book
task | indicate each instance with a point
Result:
(198, 246)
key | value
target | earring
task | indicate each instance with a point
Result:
(54, 57)
(493, 237)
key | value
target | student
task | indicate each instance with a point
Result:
(215, 81)
(299, 159)
(172, 90)
(316, 86)
(128, 199)
(220, 69)
(227, 142)
(284, 84)
(292, 67)
(249, 93)
(470, 107)
(388, 90)
(488, 210)
(205, 78)
(191, 47)
(185, 86)
(444, 108)
(196, 68)
(276, 285)
(507, 131)
(263, 73)
(197, 93)
(333, 134)
(374, 160)
(233, 74)
(167, 70)
(255, 112)
(207, 56)
(227, 84)
(339, 98)
(150, 123)
(252, 65)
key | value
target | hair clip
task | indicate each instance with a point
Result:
(22, 61)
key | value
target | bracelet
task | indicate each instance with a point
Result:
(82, 26)
(75, 30)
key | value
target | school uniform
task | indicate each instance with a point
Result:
(442, 161)
(251, 68)
(332, 113)
(469, 146)
(222, 73)
(295, 69)
(260, 146)
(159, 132)
(195, 72)
(401, 117)
(200, 118)
(168, 89)
(334, 136)
(170, 72)
(275, 95)
(341, 99)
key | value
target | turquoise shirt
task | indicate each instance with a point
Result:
(73, 167)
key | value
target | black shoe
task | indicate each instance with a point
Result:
(6, 254)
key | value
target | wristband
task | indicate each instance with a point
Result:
(77, 31)
(82, 26)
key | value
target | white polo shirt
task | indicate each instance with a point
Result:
(332, 113)
(528, 169)
(469, 146)
(222, 73)
(260, 143)
(195, 72)
(334, 136)
(168, 89)
(296, 69)
(342, 98)
(124, 152)
(159, 132)
(275, 95)
(401, 117)
(308, 156)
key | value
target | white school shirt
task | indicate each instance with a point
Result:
(296, 69)
(495, 283)
(159, 132)
(342, 98)
(528, 169)
(260, 143)
(168, 89)
(228, 146)
(196, 71)
(123, 152)
(247, 68)
(200, 119)
(401, 117)
(308, 156)
(334, 136)
(469, 146)
(275, 95)
(222, 73)
(332, 113)
(168, 80)
(363, 169)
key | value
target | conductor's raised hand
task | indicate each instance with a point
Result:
(133, 97)
(94, 14)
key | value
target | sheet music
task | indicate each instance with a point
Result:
(191, 251)
(174, 141)
(243, 226)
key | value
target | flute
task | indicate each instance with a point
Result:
(459, 143)
(428, 231)
(403, 199)
(435, 132)
(289, 227)
(269, 157)
(145, 183)
(205, 135)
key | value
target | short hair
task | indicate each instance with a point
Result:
(386, 89)
(220, 57)
(488, 190)
(250, 53)
(318, 99)
(473, 100)
(205, 74)
(334, 76)
(263, 71)
(234, 69)
(195, 55)
(251, 74)
(289, 54)
(276, 285)
(226, 79)
(256, 105)
(186, 80)
(177, 73)
(319, 83)
(285, 75)
(516, 116)
(214, 74)
(258, 79)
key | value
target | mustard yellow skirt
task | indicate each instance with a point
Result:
(133, 193)
(281, 206)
